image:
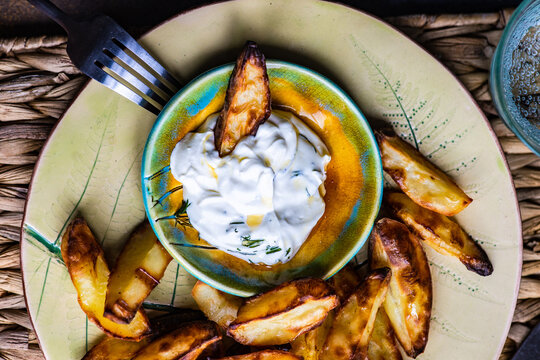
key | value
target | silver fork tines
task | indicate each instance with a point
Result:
(103, 50)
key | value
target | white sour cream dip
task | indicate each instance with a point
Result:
(260, 202)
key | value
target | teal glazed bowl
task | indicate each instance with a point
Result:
(353, 184)
(523, 18)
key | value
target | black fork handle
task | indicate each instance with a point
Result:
(54, 13)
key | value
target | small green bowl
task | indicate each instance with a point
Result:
(354, 201)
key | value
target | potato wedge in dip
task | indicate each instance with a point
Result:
(247, 102)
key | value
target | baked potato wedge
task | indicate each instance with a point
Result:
(440, 233)
(309, 345)
(409, 298)
(382, 345)
(247, 101)
(89, 273)
(264, 355)
(115, 349)
(423, 182)
(351, 330)
(344, 282)
(139, 268)
(110, 348)
(218, 306)
(187, 342)
(278, 316)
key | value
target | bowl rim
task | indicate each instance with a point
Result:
(496, 75)
(170, 107)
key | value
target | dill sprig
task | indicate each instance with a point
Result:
(247, 241)
(272, 249)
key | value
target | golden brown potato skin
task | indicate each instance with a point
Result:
(309, 345)
(187, 342)
(382, 345)
(89, 273)
(247, 101)
(218, 306)
(278, 316)
(409, 298)
(115, 349)
(118, 349)
(344, 282)
(264, 355)
(349, 335)
(440, 233)
(422, 181)
(138, 270)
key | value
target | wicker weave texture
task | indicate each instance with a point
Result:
(38, 82)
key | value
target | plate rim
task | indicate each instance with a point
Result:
(405, 38)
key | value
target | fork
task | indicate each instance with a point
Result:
(104, 51)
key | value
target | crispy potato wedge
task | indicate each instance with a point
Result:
(423, 182)
(218, 306)
(265, 355)
(409, 297)
(440, 233)
(187, 342)
(344, 282)
(139, 268)
(89, 273)
(351, 330)
(247, 102)
(309, 345)
(382, 345)
(115, 349)
(118, 349)
(278, 316)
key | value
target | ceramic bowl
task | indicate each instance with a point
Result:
(353, 192)
(525, 16)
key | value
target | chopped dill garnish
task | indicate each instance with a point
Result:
(288, 251)
(272, 249)
(247, 241)
(296, 173)
(236, 223)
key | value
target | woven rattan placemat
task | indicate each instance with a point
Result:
(38, 82)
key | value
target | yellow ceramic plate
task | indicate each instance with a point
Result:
(91, 164)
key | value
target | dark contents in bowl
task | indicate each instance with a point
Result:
(525, 75)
